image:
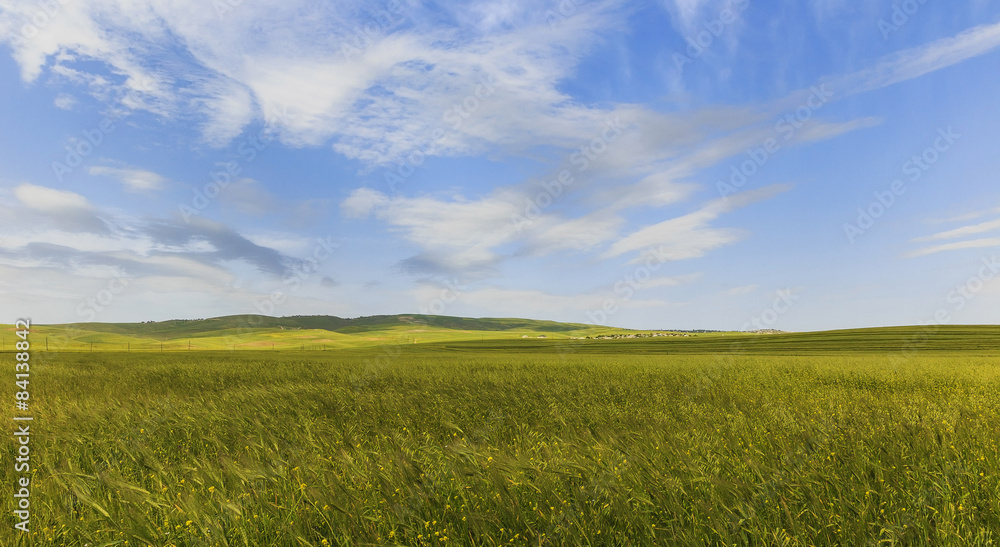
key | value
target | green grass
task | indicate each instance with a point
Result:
(897, 342)
(815, 439)
(257, 332)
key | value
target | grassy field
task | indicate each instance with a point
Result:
(872, 437)
(257, 332)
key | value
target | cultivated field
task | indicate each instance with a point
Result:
(257, 332)
(884, 436)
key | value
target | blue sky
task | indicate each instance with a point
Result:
(675, 164)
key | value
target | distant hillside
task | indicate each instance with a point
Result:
(296, 333)
(892, 343)
(315, 332)
(189, 328)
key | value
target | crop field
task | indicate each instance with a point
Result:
(317, 333)
(869, 437)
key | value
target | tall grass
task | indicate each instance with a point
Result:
(465, 448)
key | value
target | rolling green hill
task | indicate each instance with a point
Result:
(443, 333)
(182, 328)
(296, 332)
(886, 340)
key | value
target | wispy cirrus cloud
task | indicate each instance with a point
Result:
(690, 236)
(387, 100)
(957, 246)
(657, 164)
(181, 59)
(68, 231)
(65, 210)
(134, 180)
(962, 232)
(918, 61)
(971, 229)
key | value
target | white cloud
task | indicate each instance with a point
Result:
(741, 290)
(689, 17)
(670, 281)
(66, 233)
(965, 216)
(135, 180)
(388, 99)
(65, 101)
(455, 235)
(963, 231)
(656, 190)
(959, 245)
(249, 197)
(921, 60)
(689, 236)
(362, 202)
(580, 234)
(81, 242)
(50, 200)
(228, 73)
(960, 232)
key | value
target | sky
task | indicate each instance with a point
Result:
(684, 164)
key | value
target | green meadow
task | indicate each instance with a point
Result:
(256, 332)
(866, 437)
